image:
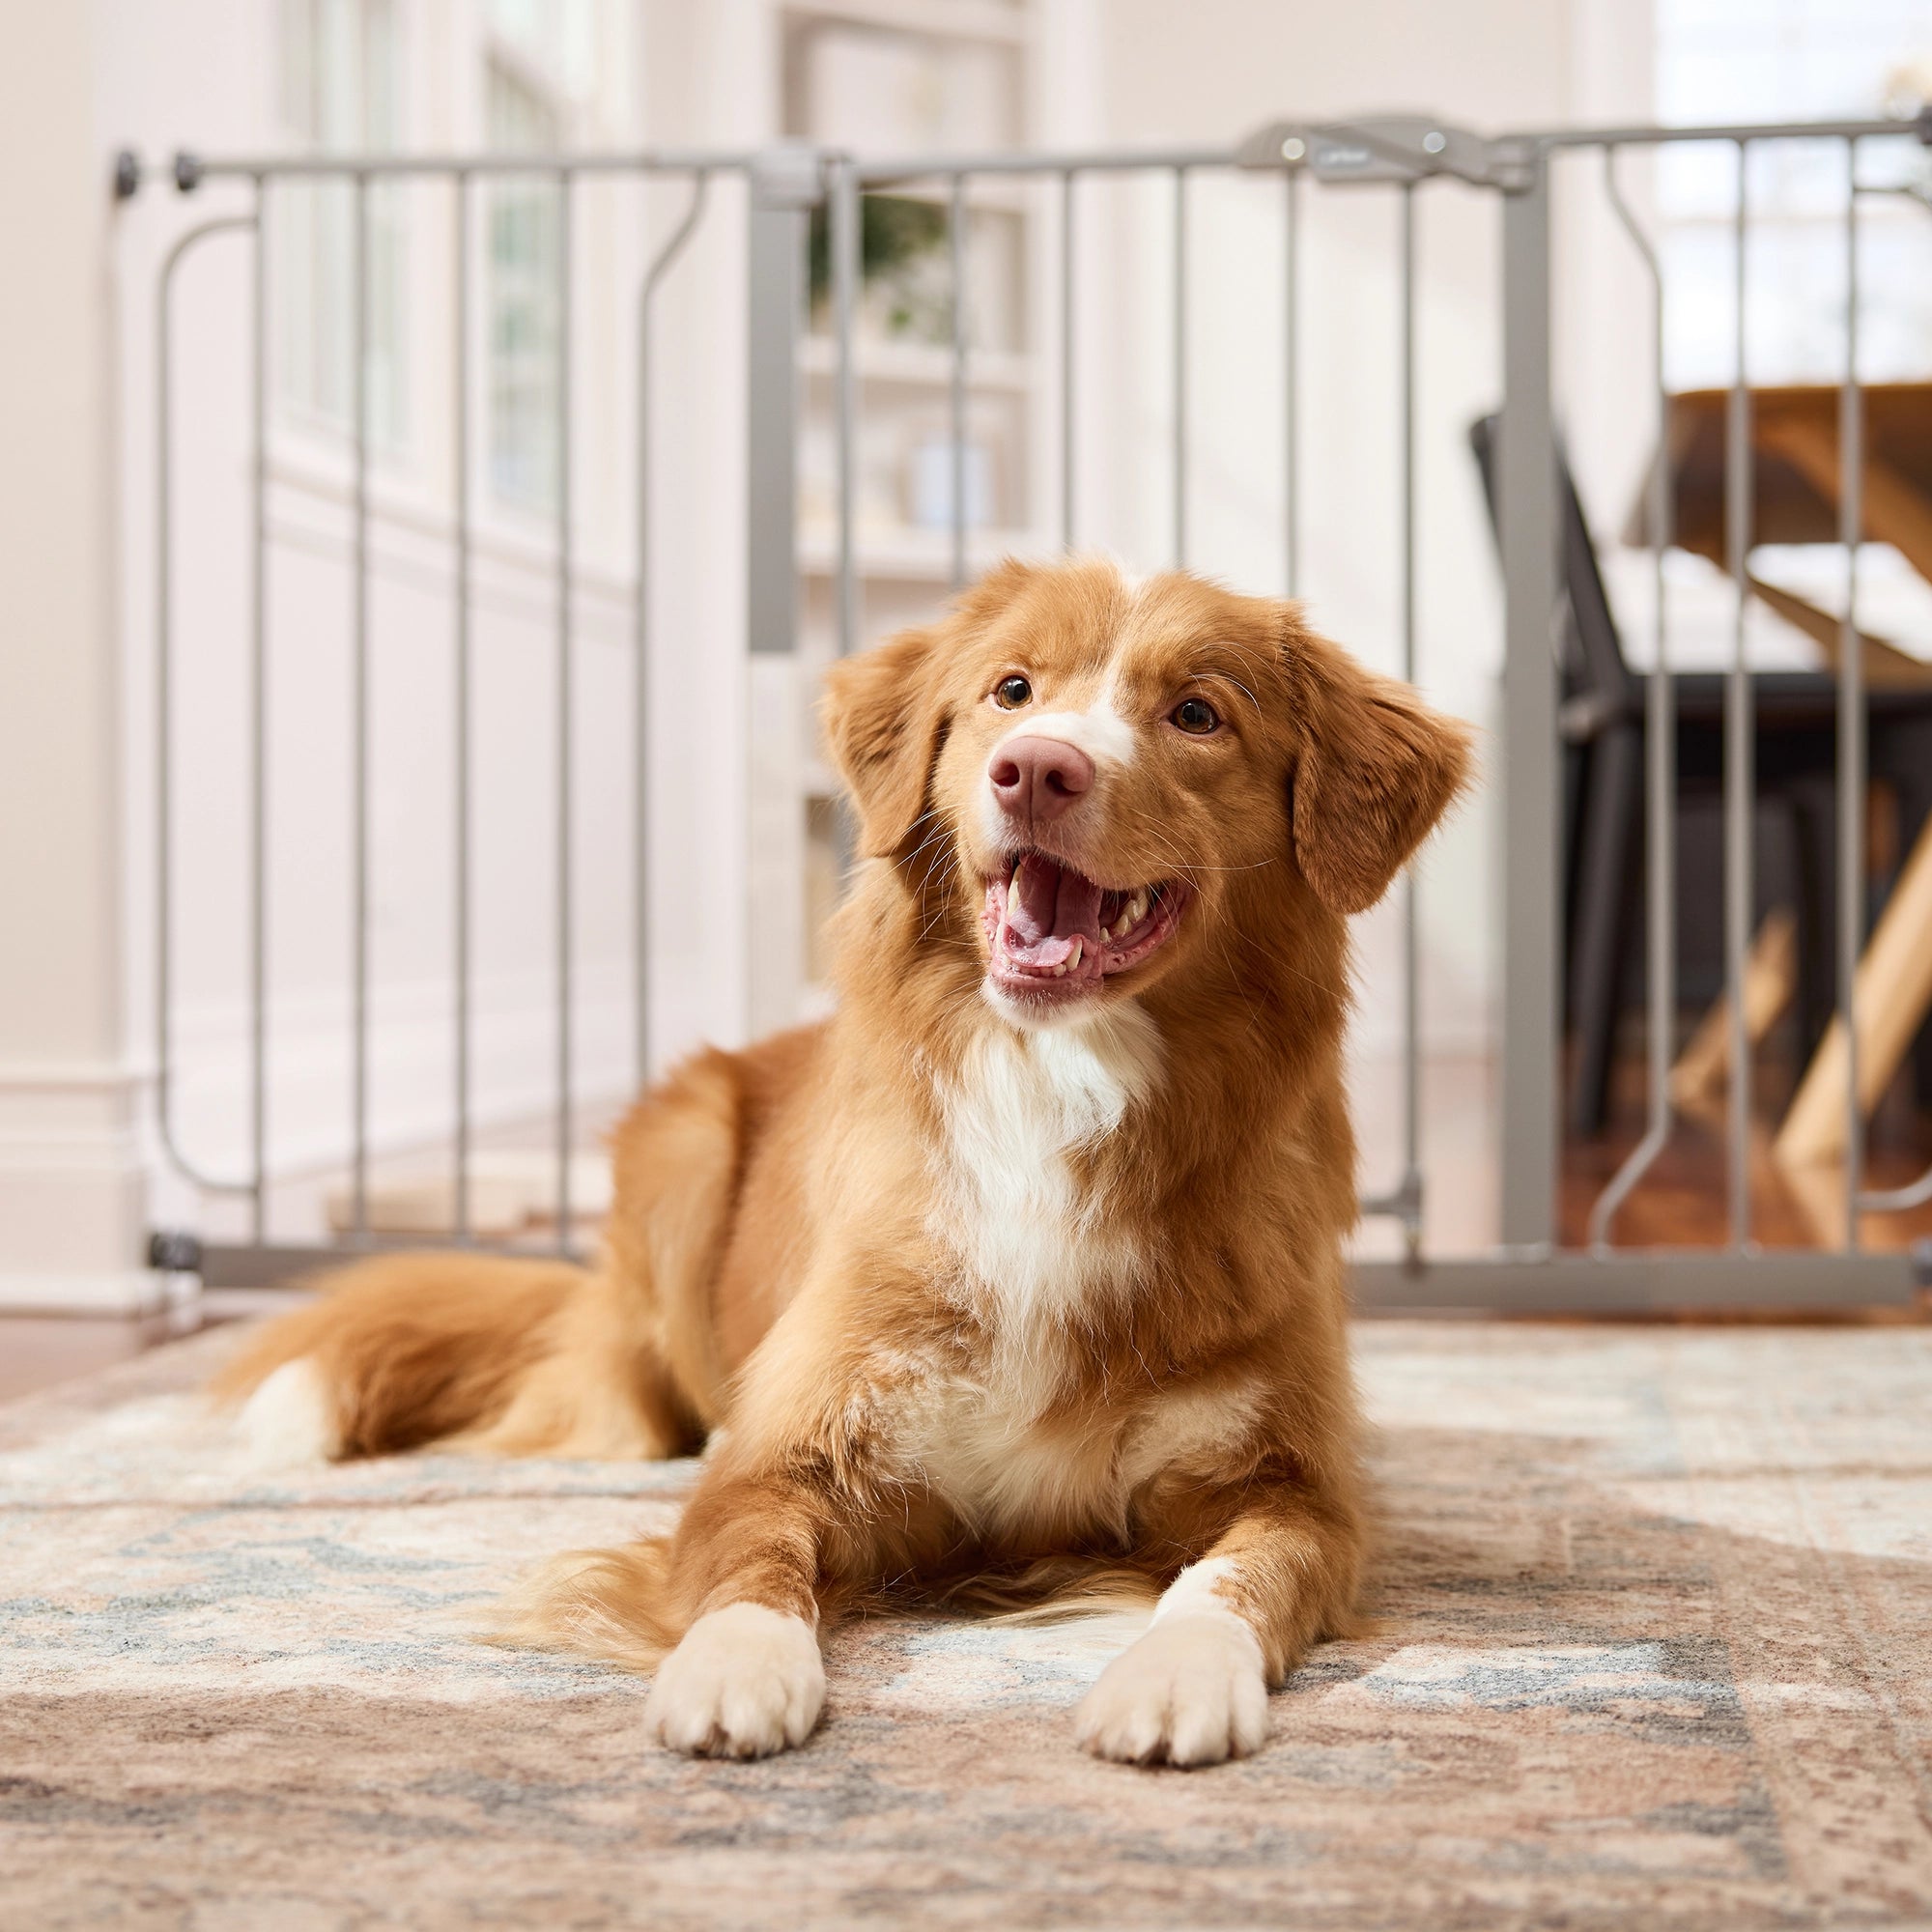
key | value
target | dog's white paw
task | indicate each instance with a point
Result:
(1192, 1690)
(290, 1419)
(746, 1681)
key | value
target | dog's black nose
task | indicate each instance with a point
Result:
(1036, 778)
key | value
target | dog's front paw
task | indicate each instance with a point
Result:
(746, 1681)
(1192, 1690)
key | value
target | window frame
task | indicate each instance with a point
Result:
(506, 63)
(311, 233)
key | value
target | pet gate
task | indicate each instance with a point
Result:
(541, 386)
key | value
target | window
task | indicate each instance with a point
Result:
(524, 236)
(340, 94)
(540, 63)
(1770, 60)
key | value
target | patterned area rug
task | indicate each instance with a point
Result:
(1654, 1648)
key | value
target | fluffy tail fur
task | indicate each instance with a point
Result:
(526, 1357)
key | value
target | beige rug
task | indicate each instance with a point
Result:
(1655, 1649)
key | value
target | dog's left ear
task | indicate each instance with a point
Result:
(1377, 769)
(882, 715)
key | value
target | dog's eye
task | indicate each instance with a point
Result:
(1010, 693)
(1195, 716)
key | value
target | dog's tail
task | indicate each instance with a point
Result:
(1049, 1589)
(523, 1356)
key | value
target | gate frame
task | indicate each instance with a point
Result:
(1528, 1272)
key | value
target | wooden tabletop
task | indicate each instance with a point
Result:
(1794, 441)
(1794, 466)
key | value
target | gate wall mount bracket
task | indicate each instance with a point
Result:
(1388, 150)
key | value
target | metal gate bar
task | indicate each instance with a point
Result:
(1660, 768)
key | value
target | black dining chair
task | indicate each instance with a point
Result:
(1601, 722)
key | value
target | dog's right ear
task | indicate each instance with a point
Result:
(883, 718)
(884, 711)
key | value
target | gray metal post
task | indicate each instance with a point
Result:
(844, 231)
(1659, 766)
(956, 227)
(360, 701)
(1067, 235)
(785, 182)
(1852, 747)
(258, 730)
(1526, 507)
(1290, 382)
(1411, 1191)
(566, 706)
(1179, 458)
(163, 849)
(459, 403)
(1739, 733)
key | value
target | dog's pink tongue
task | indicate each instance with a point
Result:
(1054, 906)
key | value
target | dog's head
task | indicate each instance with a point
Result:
(1122, 769)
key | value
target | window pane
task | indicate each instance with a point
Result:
(525, 233)
(341, 93)
(1754, 60)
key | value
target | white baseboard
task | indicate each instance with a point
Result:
(73, 1189)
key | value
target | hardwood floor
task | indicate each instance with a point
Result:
(39, 1351)
(1682, 1201)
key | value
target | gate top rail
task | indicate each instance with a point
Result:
(189, 170)
(1660, 134)
(1393, 150)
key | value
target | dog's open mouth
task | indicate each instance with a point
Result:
(1056, 934)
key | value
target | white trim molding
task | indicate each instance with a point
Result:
(74, 1190)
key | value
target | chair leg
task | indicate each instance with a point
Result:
(1901, 754)
(1814, 814)
(1613, 801)
(1914, 804)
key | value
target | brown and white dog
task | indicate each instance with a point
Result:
(1026, 1266)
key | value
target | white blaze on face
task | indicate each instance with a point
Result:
(1101, 729)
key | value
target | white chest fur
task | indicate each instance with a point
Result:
(1035, 1239)
(1039, 1252)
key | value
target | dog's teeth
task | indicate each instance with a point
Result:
(1137, 908)
(1014, 893)
(1121, 926)
(1060, 972)
(1073, 957)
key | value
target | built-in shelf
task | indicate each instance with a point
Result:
(971, 76)
(920, 365)
(913, 555)
(990, 195)
(999, 22)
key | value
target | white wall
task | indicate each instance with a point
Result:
(70, 1182)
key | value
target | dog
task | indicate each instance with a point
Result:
(1022, 1273)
